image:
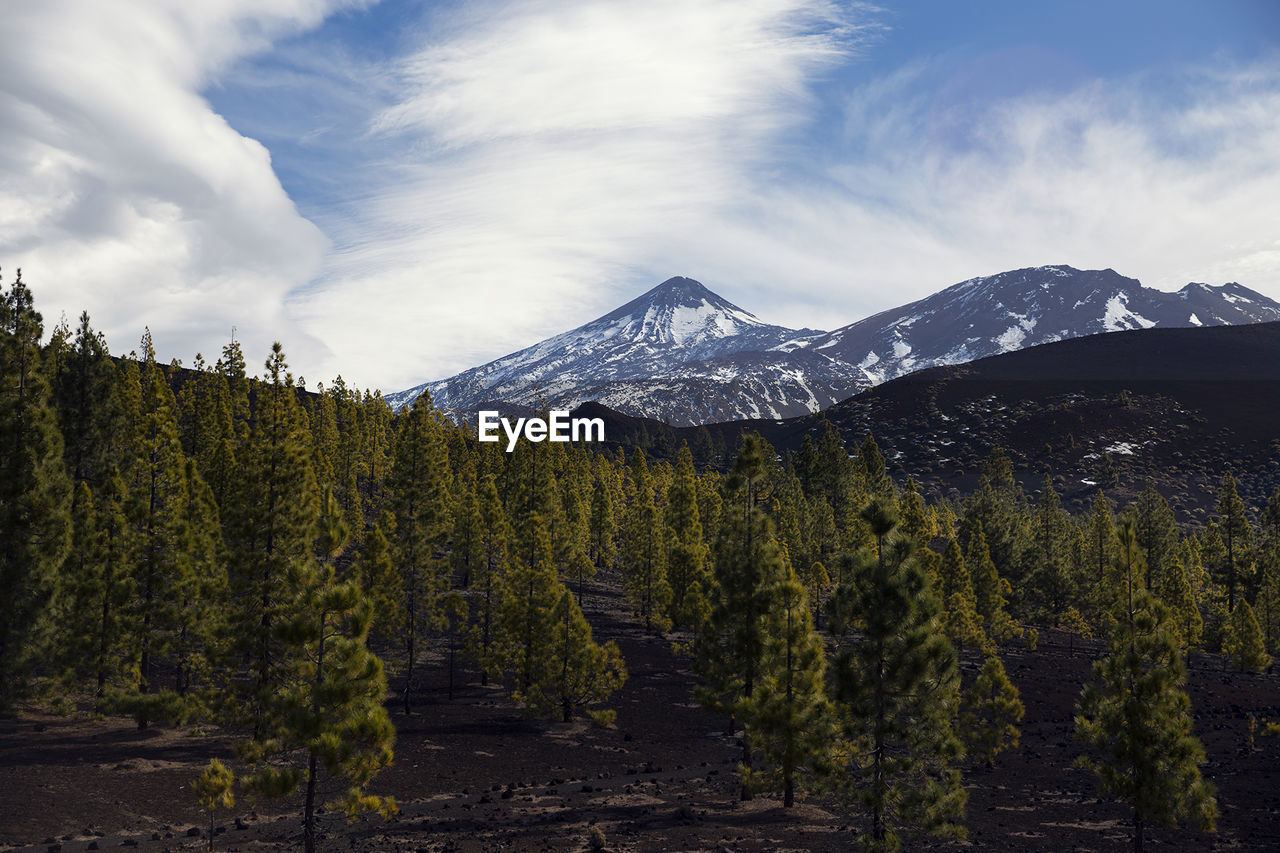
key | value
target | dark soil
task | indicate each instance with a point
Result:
(477, 774)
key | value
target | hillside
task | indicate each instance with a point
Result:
(1174, 407)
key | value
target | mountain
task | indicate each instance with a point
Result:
(1022, 308)
(684, 355)
(678, 353)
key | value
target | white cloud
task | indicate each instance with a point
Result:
(123, 193)
(552, 153)
(1165, 182)
(532, 164)
(565, 157)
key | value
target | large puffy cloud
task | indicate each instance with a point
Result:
(122, 192)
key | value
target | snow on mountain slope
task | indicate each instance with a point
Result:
(1021, 308)
(682, 354)
(678, 352)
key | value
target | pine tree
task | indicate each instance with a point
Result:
(747, 564)
(466, 546)
(202, 594)
(916, 521)
(1236, 533)
(827, 472)
(601, 527)
(1267, 605)
(84, 383)
(687, 570)
(270, 516)
(158, 512)
(1245, 646)
(490, 572)
(961, 619)
(453, 620)
(990, 711)
(999, 506)
(789, 711)
(1177, 593)
(1049, 575)
(584, 672)
(83, 588)
(1157, 534)
(418, 496)
(327, 712)
(817, 586)
(895, 695)
(522, 653)
(988, 587)
(213, 791)
(207, 428)
(875, 469)
(378, 576)
(1137, 717)
(35, 492)
(644, 556)
(574, 556)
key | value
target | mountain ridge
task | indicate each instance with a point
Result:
(681, 353)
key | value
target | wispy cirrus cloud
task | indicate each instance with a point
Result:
(548, 152)
(1169, 179)
(556, 159)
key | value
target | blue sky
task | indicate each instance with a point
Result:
(400, 190)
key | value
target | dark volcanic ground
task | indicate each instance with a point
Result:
(476, 774)
(1176, 408)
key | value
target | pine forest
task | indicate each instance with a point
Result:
(324, 624)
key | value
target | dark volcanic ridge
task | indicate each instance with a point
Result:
(1177, 408)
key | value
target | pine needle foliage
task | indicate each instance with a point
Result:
(895, 692)
(747, 565)
(327, 713)
(1245, 646)
(35, 493)
(213, 790)
(789, 711)
(990, 711)
(418, 495)
(1136, 718)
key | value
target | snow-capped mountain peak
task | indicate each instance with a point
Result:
(683, 354)
(679, 311)
(668, 353)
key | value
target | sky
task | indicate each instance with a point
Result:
(399, 190)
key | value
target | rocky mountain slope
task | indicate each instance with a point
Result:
(1173, 408)
(678, 353)
(684, 355)
(1022, 308)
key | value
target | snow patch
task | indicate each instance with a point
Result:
(1119, 317)
(1125, 448)
(1011, 338)
(1194, 320)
